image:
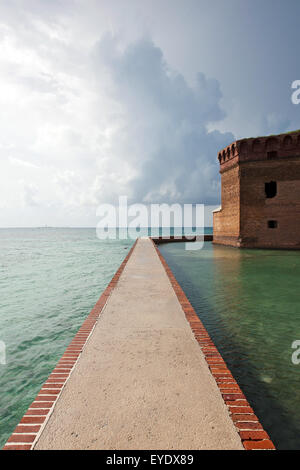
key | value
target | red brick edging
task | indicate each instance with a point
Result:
(27, 432)
(246, 422)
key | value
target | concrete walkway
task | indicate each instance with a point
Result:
(142, 381)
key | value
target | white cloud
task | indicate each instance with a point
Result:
(85, 120)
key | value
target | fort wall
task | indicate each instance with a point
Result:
(260, 181)
(227, 219)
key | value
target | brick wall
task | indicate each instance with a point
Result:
(245, 167)
(227, 220)
(257, 209)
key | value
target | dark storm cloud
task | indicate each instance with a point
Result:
(180, 162)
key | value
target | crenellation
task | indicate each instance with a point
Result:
(252, 214)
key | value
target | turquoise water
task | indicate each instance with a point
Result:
(49, 281)
(249, 301)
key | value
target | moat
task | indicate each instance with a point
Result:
(249, 301)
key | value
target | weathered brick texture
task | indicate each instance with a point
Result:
(247, 216)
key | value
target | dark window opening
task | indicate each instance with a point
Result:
(271, 189)
(271, 155)
(272, 223)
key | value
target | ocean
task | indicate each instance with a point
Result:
(49, 281)
(50, 278)
(249, 301)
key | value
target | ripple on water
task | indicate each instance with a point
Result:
(50, 280)
(249, 301)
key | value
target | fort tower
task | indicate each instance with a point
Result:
(260, 193)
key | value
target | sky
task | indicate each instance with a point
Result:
(101, 99)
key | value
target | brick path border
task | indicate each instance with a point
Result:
(29, 429)
(251, 432)
(27, 432)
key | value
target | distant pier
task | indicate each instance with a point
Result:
(141, 373)
(182, 239)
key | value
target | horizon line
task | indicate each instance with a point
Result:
(72, 227)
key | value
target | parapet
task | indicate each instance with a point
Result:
(260, 148)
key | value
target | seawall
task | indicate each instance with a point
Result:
(182, 239)
(134, 376)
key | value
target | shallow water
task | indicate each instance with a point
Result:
(49, 281)
(249, 301)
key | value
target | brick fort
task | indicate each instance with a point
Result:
(260, 193)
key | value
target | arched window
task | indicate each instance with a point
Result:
(271, 189)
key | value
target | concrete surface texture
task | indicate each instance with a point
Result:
(142, 381)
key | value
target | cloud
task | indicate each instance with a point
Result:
(88, 121)
(165, 122)
(30, 195)
(275, 123)
(87, 115)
